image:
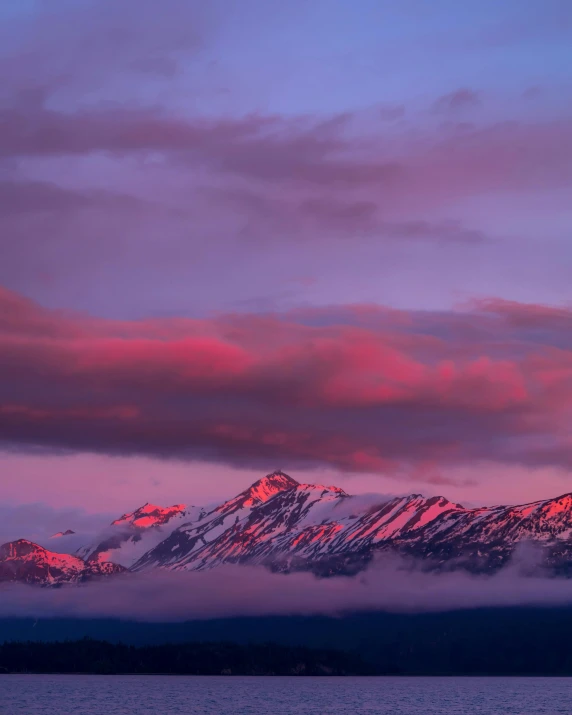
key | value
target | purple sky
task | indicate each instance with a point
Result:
(330, 237)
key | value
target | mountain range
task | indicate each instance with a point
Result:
(284, 525)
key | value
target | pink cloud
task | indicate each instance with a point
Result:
(377, 395)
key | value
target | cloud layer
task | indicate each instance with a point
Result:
(358, 388)
(178, 159)
(388, 585)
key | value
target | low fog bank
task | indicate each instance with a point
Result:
(389, 584)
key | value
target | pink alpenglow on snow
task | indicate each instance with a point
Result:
(150, 515)
(25, 562)
(286, 526)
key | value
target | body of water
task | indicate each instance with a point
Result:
(220, 695)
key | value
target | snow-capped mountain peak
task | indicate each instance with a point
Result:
(301, 521)
(150, 515)
(268, 486)
(259, 492)
(136, 532)
(27, 562)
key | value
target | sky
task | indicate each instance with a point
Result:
(333, 238)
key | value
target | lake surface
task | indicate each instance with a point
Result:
(219, 695)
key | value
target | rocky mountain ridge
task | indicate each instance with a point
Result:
(284, 525)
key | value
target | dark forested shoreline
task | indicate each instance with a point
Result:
(100, 657)
(497, 641)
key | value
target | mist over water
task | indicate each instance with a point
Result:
(389, 584)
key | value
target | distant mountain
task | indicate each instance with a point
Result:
(133, 534)
(285, 525)
(69, 532)
(25, 562)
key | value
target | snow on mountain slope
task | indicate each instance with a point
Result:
(252, 537)
(126, 539)
(188, 539)
(306, 525)
(542, 520)
(150, 515)
(25, 562)
(306, 521)
(355, 534)
(285, 525)
(485, 538)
